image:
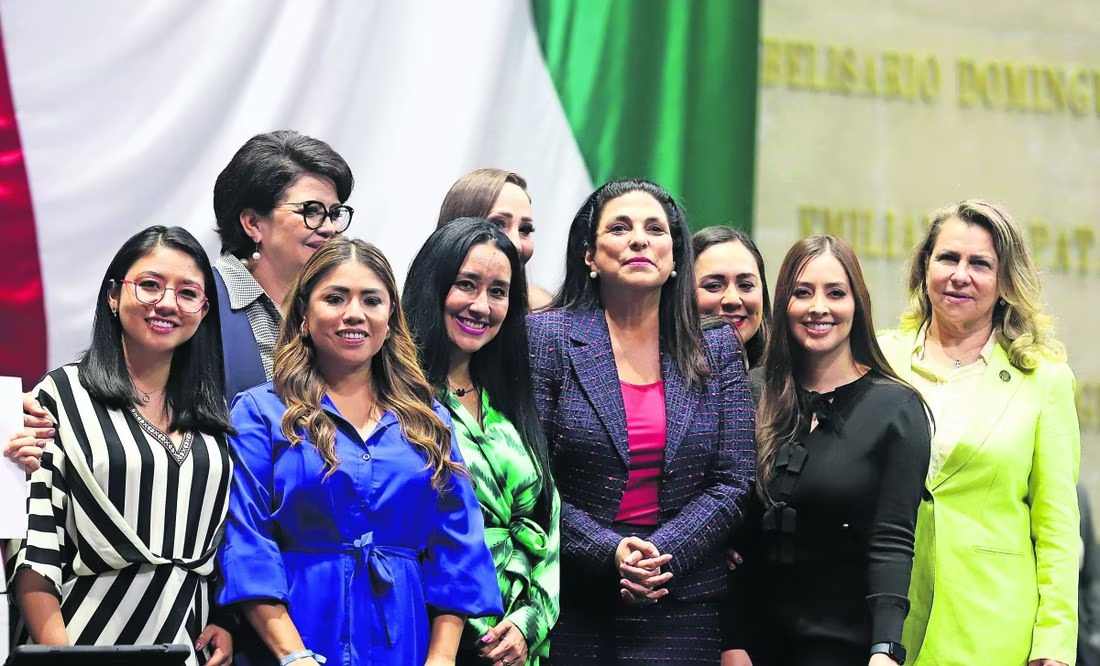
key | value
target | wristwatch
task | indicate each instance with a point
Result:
(895, 651)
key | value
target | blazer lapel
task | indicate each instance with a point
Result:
(680, 402)
(999, 384)
(594, 362)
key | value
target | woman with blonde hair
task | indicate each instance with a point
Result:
(502, 198)
(352, 519)
(995, 573)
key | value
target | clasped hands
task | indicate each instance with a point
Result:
(640, 567)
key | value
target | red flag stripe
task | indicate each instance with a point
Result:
(23, 341)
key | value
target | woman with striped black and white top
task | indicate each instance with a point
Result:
(127, 508)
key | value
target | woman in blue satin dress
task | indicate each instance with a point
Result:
(354, 535)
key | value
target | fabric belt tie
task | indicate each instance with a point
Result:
(514, 548)
(378, 561)
(522, 540)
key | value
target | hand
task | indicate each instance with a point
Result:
(35, 417)
(24, 450)
(1046, 662)
(639, 564)
(881, 660)
(504, 645)
(733, 559)
(221, 644)
(736, 657)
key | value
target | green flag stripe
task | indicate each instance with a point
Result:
(661, 89)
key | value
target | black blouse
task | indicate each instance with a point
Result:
(827, 558)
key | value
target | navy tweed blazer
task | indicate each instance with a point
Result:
(709, 463)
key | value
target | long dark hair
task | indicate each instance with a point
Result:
(719, 234)
(501, 367)
(195, 393)
(779, 415)
(681, 335)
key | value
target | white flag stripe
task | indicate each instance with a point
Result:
(127, 113)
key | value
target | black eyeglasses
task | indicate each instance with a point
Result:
(151, 290)
(314, 214)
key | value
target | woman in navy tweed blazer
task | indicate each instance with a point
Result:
(650, 425)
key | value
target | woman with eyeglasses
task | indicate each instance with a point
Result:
(278, 200)
(127, 508)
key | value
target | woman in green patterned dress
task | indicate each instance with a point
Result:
(465, 299)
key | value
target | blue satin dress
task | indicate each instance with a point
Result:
(360, 558)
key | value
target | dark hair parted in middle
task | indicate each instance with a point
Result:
(474, 194)
(501, 368)
(399, 383)
(261, 171)
(681, 334)
(716, 235)
(779, 415)
(195, 393)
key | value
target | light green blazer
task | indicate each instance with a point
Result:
(998, 543)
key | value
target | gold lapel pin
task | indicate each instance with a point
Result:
(1005, 376)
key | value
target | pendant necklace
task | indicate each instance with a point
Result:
(143, 395)
(461, 391)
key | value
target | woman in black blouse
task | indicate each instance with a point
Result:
(843, 449)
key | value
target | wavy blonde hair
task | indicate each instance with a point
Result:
(398, 381)
(1019, 322)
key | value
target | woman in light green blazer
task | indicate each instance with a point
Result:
(997, 547)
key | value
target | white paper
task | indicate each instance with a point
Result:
(13, 480)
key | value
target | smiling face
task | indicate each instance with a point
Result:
(347, 318)
(512, 213)
(962, 276)
(477, 301)
(286, 243)
(633, 247)
(821, 308)
(728, 284)
(159, 328)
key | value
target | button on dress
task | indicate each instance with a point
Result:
(360, 558)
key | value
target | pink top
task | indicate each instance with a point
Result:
(645, 437)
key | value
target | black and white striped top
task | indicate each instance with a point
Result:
(123, 522)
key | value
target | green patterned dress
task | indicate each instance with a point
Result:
(507, 484)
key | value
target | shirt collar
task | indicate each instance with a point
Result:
(387, 419)
(918, 349)
(242, 287)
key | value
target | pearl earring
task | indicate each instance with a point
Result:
(673, 273)
(593, 274)
(256, 253)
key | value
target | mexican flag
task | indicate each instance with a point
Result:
(115, 115)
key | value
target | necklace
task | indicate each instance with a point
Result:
(143, 395)
(957, 362)
(460, 391)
